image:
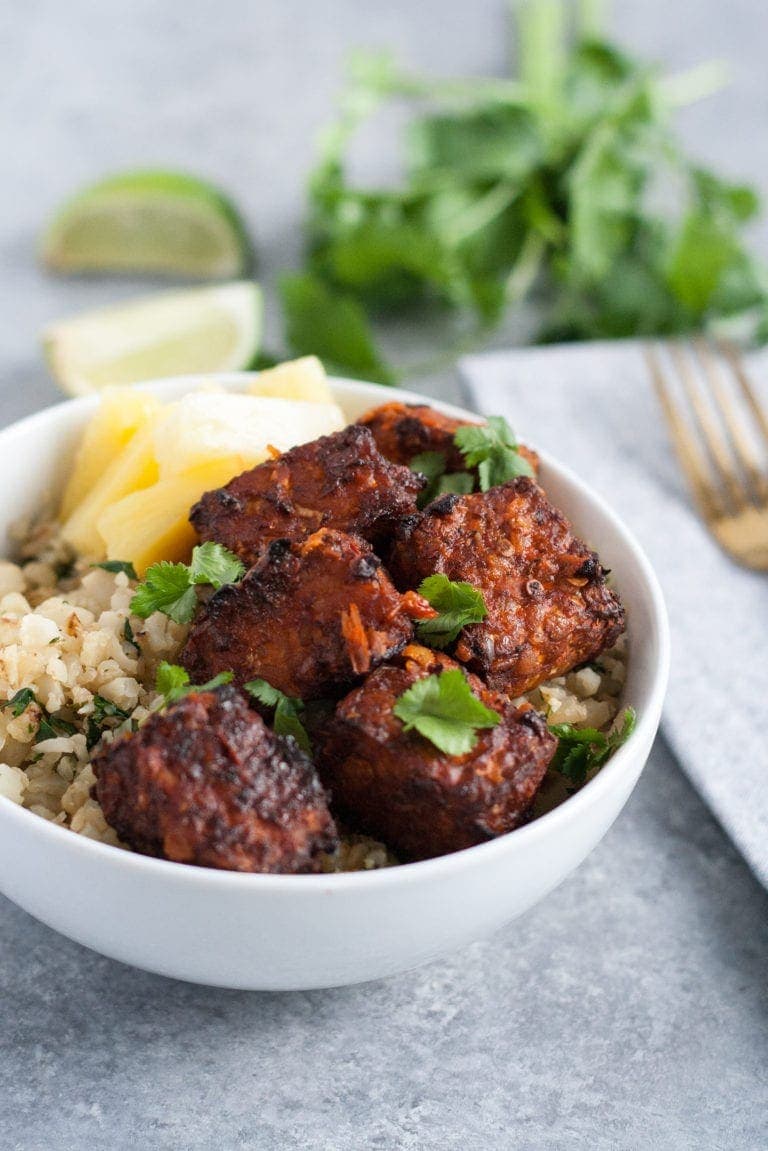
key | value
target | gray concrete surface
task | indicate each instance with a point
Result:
(628, 1010)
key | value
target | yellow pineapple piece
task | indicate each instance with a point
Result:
(302, 379)
(121, 413)
(204, 426)
(133, 469)
(153, 524)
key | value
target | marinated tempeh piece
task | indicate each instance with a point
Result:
(403, 431)
(549, 607)
(340, 481)
(307, 617)
(397, 786)
(207, 782)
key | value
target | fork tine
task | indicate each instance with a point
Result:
(688, 453)
(711, 434)
(740, 445)
(737, 364)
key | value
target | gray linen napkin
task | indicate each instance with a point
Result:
(593, 407)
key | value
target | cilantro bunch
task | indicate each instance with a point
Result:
(566, 184)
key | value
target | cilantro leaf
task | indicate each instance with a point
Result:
(432, 465)
(332, 326)
(582, 750)
(493, 450)
(103, 709)
(429, 464)
(19, 702)
(170, 587)
(461, 483)
(215, 565)
(458, 604)
(51, 726)
(444, 710)
(264, 692)
(288, 711)
(129, 637)
(166, 588)
(124, 566)
(172, 682)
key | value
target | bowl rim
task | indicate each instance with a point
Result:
(574, 807)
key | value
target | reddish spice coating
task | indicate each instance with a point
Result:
(549, 608)
(340, 481)
(402, 431)
(400, 788)
(207, 782)
(307, 617)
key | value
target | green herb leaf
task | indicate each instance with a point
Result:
(215, 565)
(19, 702)
(583, 750)
(429, 464)
(129, 637)
(458, 604)
(223, 677)
(288, 710)
(103, 709)
(172, 682)
(170, 588)
(460, 483)
(51, 726)
(432, 465)
(166, 588)
(124, 566)
(321, 322)
(493, 450)
(444, 710)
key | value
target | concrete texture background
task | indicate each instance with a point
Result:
(626, 1011)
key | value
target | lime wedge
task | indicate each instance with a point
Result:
(213, 329)
(165, 223)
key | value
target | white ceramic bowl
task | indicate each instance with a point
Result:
(282, 932)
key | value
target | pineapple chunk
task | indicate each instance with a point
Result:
(121, 413)
(153, 524)
(204, 427)
(133, 469)
(302, 379)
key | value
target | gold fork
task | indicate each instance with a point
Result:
(721, 460)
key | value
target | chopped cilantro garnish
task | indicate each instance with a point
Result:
(129, 637)
(445, 711)
(432, 465)
(581, 750)
(288, 710)
(172, 682)
(493, 450)
(103, 709)
(170, 587)
(124, 566)
(19, 702)
(51, 726)
(457, 603)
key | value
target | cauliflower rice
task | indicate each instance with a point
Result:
(67, 633)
